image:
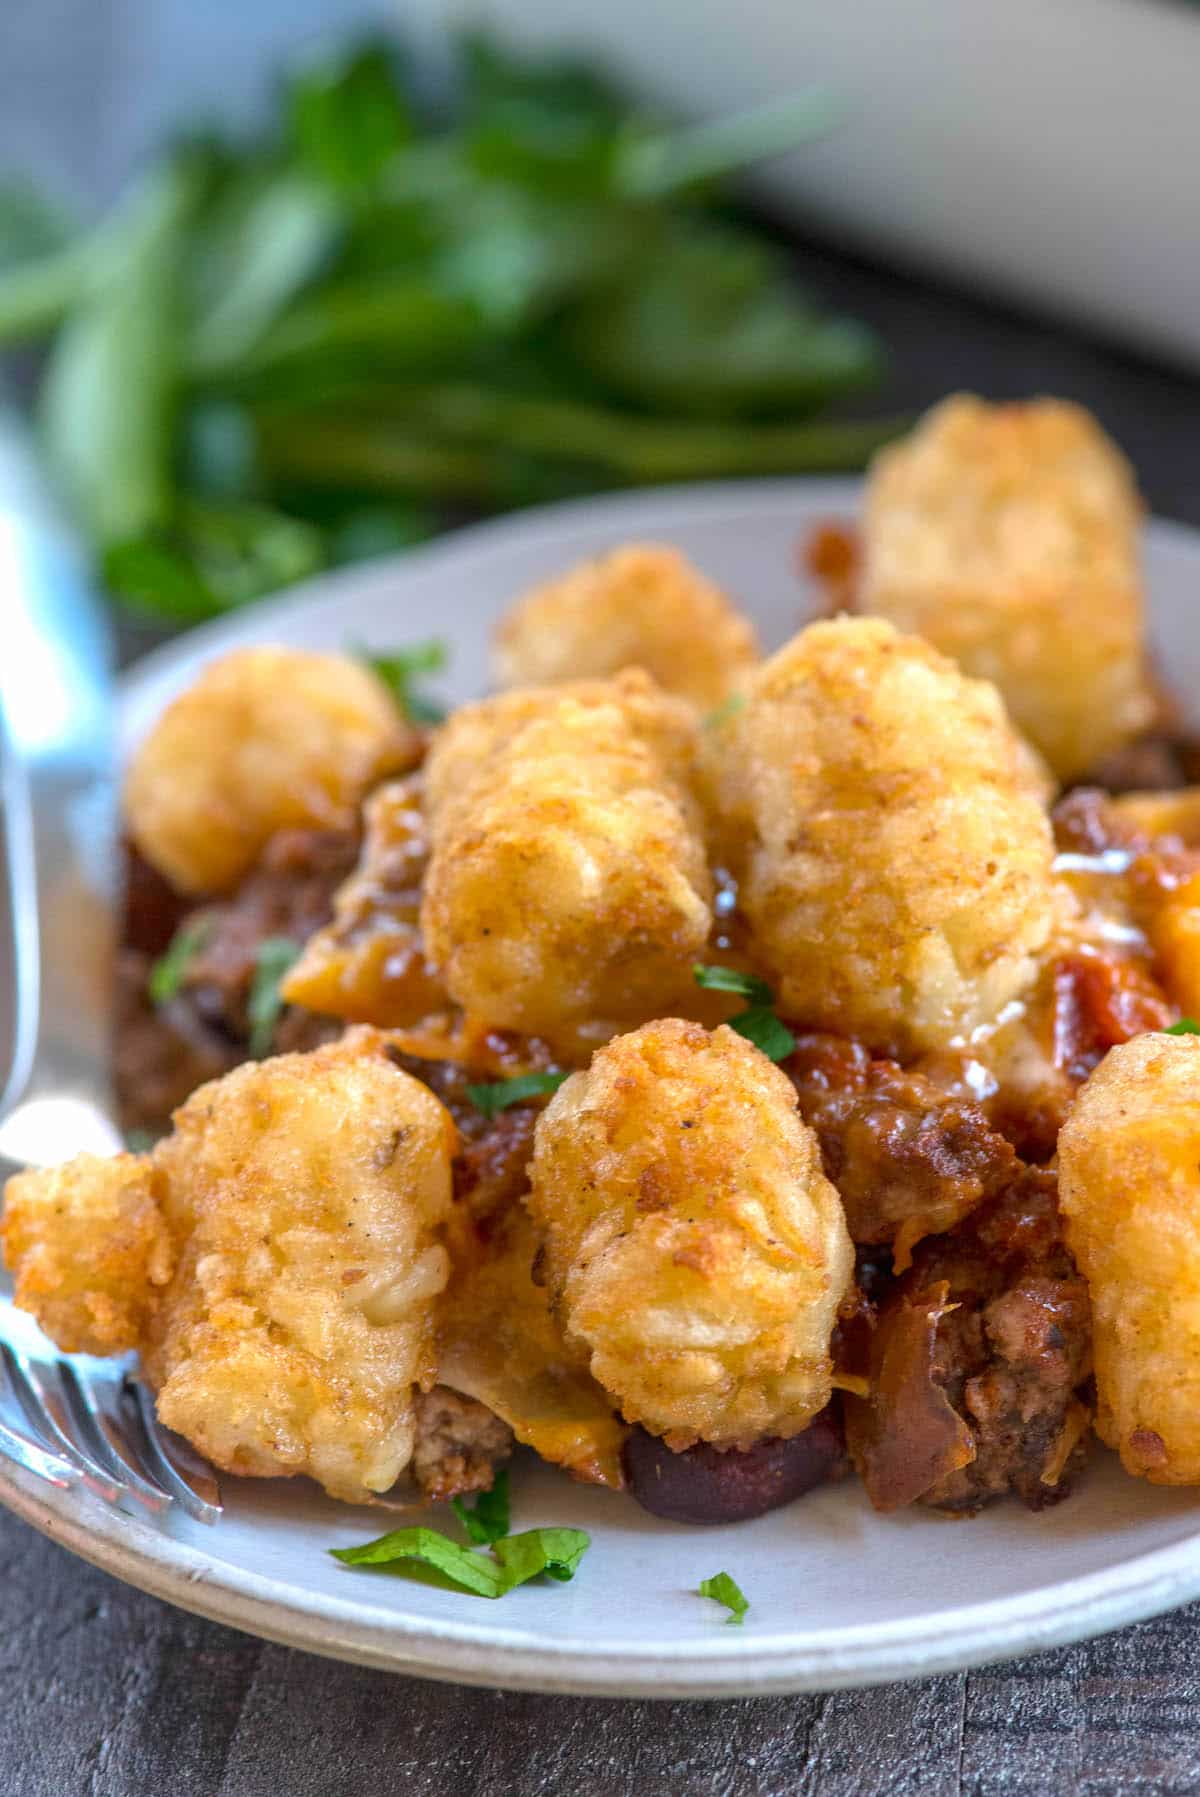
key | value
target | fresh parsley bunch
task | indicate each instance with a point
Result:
(277, 355)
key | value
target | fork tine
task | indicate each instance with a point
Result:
(18, 1446)
(187, 1477)
(42, 1402)
(95, 1424)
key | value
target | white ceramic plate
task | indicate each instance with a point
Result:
(838, 1595)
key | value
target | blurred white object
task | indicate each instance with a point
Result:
(1046, 149)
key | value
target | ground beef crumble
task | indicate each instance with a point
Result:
(982, 1351)
(162, 1053)
(493, 1152)
(908, 1158)
(459, 1444)
(290, 893)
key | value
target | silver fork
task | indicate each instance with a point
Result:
(66, 1418)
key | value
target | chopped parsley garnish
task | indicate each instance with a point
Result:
(488, 1519)
(720, 714)
(399, 670)
(169, 971)
(514, 1559)
(139, 1141)
(494, 1098)
(758, 1022)
(556, 1552)
(761, 1026)
(729, 979)
(276, 955)
(1187, 1026)
(724, 1590)
(467, 1569)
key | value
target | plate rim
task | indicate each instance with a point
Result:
(154, 1561)
(484, 1654)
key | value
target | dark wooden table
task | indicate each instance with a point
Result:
(106, 1692)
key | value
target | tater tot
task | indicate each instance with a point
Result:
(301, 1200)
(474, 733)
(307, 1191)
(1129, 1189)
(694, 1251)
(90, 1250)
(643, 605)
(265, 739)
(884, 822)
(568, 885)
(1007, 536)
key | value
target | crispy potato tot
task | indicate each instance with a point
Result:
(265, 739)
(89, 1249)
(301, 1199)
(1129, 1189)
(568, 885)
(368, 964)
(695, 1253)
(1007, 536)
(306, 1192)
(883, 819)
(474, 733)
(644, 606)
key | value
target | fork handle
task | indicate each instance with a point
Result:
(58, 830)
(19, 946)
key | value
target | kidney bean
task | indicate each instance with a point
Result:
(702, 1484)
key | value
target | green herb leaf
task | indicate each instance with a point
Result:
(139, 1141)
(518, 1558)
(109, 396)
(169, 971)
(469, 1570)
(398, 320)
(365, 531)
(491, 1099)
(721, 714)
(348, 117)
(533, 95)
(758, 1022)
(398, 670)
(462, 443)
(730, 979)
(725, 1590)
(761, 1026)
(556, 1552)
(710, 324)
(41, 269)
(154, 577)
(1187, 1026)
(276, 955)
(488, 1518)
(266, 236)
(657, 166)
(212, 558)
